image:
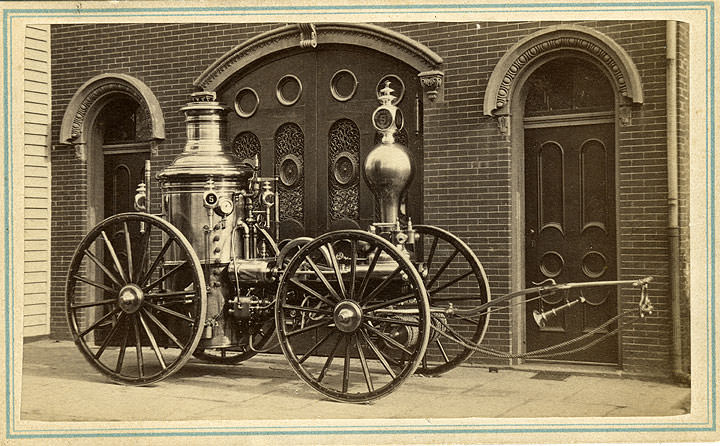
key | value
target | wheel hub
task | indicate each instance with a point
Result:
(130, 298)
(347, 316)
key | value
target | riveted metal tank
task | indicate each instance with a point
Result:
(206, 165)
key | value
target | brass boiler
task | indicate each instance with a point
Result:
(199, 191)
(389, 167)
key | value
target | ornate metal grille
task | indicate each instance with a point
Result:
(246, 145)
(289, 161)
(343, 170)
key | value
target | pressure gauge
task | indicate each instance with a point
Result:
(225, 207)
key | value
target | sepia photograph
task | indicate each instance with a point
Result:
(361, 223)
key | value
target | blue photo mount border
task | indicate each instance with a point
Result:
(709, 425)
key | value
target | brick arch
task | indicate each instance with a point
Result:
(569, 39)
(306, 35)
(94, 93)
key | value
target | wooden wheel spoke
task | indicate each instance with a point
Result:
(432, 253)
(363, 364)
(346, 365)
(366, 279)
(138, 347)
(171, 294)
(315, 347)
(145, 248)
(323, 279)
(114, 256)
(378, 354)
(450, 283)
(312, 292)
(102, 286)
(388, 339)
(97, 323)
(104, 268)
(121, 354)
(442, 268)
(389, 302)
(322, 323)
(93, 304)
(353, 267)
(153, 342)
(170, 312)
(106, 342)
(156, 262)
(164, 329)
(175, 269)
(128, 247)
(329, 359)
(338, 274)
(306, 309)
(392, 321)
(378, 289)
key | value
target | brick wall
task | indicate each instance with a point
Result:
(467, 162)
(683, 65)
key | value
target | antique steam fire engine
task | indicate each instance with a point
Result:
(354, 312)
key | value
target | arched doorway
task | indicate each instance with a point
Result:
(505, 97)
(115, 123)
(302, 97)
(307, 116)
(123, 151)
(570, 201)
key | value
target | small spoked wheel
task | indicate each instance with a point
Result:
(352, 316)
(455, 280)
(136, 298)
(263, 333)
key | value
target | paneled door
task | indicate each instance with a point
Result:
(570, 232)
(308, 115)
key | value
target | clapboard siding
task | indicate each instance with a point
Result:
(36, 232)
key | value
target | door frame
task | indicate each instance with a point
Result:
(517, 166)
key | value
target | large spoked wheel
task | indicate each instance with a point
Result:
(352, 316)
(455, 280)
(136, 298)
(263, 334)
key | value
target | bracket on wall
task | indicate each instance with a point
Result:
(504, 126)
(80, 151)
(432, 84)
(625, 115)
(308, 35)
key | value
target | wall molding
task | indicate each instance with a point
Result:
(569, 39)
(90, 97)
(311, 36)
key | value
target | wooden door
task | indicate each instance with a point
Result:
(570, 228)
(123, 173)
(308, 116)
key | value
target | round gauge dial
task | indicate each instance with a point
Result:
(225, 206)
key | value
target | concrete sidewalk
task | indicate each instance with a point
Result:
(59, 385)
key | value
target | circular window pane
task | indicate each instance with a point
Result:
(343, 85)
(246, 102)
(288, 89)
(395, 83)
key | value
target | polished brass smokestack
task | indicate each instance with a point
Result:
(389, 166)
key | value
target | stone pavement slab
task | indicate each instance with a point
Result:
(59, 385)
